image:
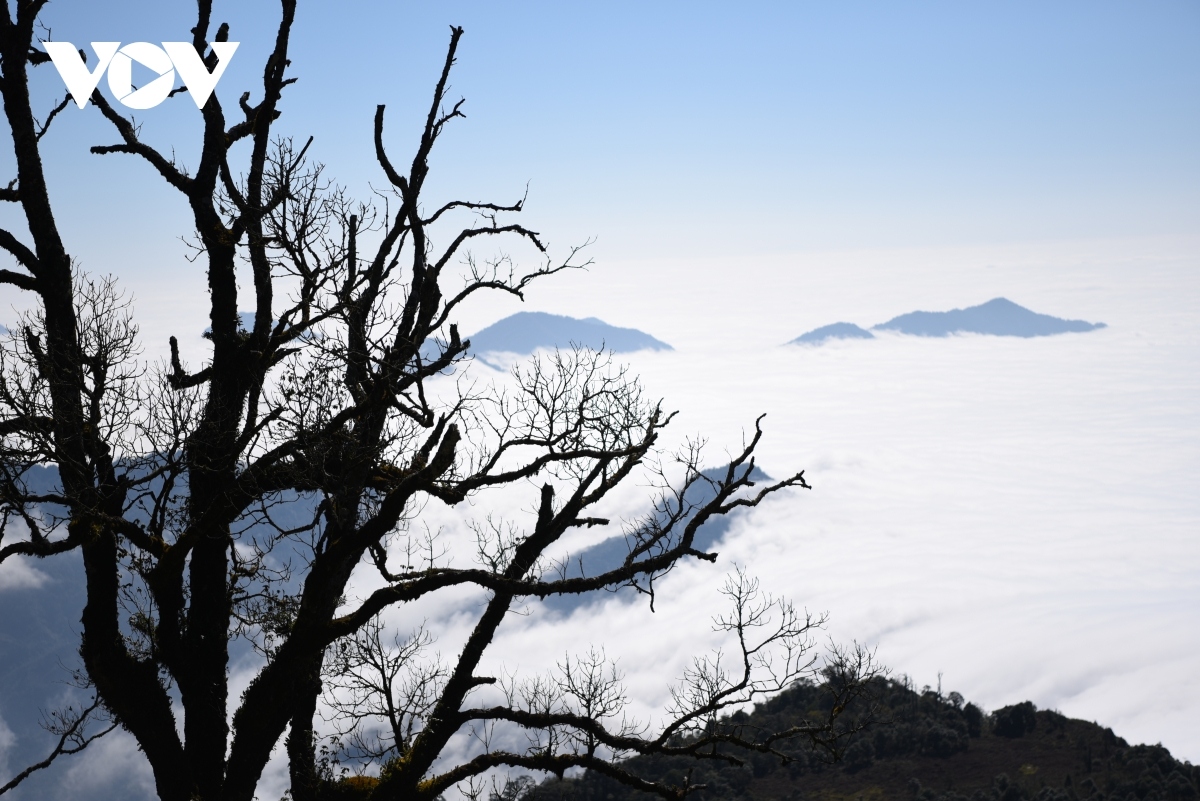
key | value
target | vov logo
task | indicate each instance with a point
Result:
(165, 61)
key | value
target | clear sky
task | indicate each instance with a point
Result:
(697, 131)
(689, 129)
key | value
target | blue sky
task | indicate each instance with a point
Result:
(829, 125)
(680, 129)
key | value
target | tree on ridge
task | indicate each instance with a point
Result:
(177, 488)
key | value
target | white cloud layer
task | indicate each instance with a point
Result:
(1019, 516)
(1016, 515)
(19, 574)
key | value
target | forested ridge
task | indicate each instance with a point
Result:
(925, 747)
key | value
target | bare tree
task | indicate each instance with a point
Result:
(179, 488)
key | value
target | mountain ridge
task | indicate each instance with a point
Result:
(996, 317)
(929, 747)
(525, 332)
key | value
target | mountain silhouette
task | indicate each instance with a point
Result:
(525, 332)
(998, 317)
(924, 746)
(834, 331)
(245, 323)
(610, 554)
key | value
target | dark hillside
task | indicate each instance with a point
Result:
(933, 748)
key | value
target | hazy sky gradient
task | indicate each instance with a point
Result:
(681, 129)
(689, 131)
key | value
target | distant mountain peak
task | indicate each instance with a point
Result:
(834, 331)
(609, 554)
(525, 332)
(998, 317)
(245, 323)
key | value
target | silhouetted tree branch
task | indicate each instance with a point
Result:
(71, 727)
(180, 489)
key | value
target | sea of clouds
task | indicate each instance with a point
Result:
(1016, 518)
